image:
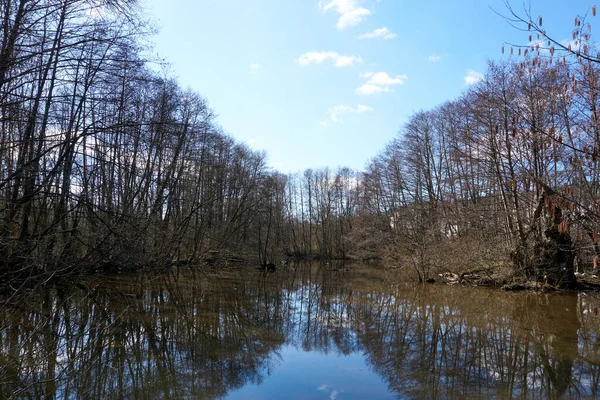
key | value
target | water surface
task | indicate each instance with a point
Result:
(312, 331)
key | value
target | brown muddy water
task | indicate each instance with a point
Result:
(309, 332)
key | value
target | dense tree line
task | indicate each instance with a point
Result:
(507, 175)
(108, 163)
(509, 168)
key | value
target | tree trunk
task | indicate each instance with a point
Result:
(554, 254)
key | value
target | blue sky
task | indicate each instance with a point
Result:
(329, 83)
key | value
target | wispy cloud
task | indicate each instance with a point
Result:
(336, 112)
(434, 58)
(379, 82)
(317, 57)
(350, 13)
(254, 67)
(381, 33)
(362, 108)
(573, 45)
(333, 393)
(473, 77)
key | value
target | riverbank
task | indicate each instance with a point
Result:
(501, 277)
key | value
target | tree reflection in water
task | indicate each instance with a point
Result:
(203, 336)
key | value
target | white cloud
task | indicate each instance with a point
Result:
(317, 57)
(333, 393)
(336, 112)
(381, 33)
(350, 13)
(574, 44)
(473, 77)
(379, 82)
(383, 79)
(254, 67)
(434, 58)
(367, 89)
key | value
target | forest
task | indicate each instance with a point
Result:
(108, 164)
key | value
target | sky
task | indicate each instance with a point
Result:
(330, 83)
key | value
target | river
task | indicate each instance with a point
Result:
(307, 331)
